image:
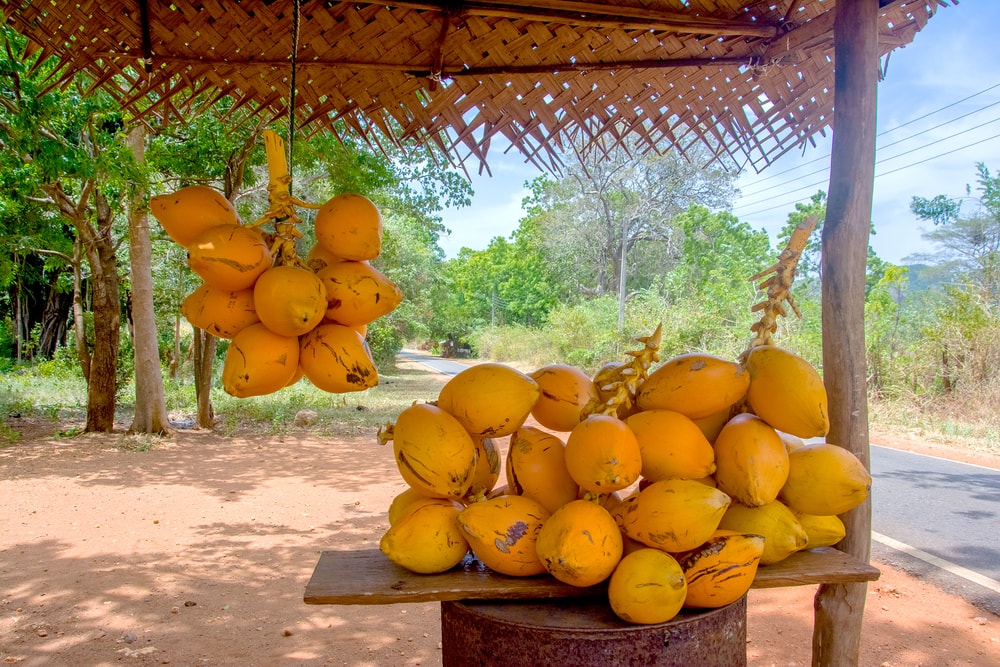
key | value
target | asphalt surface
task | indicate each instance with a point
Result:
(938, 518)
(436, 364)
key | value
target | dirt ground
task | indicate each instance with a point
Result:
(197, 552)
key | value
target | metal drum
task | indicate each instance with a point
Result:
(586, 633)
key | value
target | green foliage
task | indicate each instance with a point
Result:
(882, 326)
(619, 202)
(7, 344)
(508, 283)
(385, 342)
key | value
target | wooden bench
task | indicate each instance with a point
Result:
(368, 577)
(491, 619)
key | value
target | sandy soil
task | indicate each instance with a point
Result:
(198, 552)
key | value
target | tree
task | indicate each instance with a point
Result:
(67, 149)
(968, 244)
(507, 283)
(966, 321)
(214, 147)
(150, 413)
(613, 199)
(719, 254)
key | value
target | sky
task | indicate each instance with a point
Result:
(938, 115)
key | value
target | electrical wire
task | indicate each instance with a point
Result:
(902, 125)
(883, 160)
(912, 164)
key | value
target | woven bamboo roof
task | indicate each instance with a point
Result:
(751, 79)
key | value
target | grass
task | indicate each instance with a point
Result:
(61, 399)
(965, 421)
(961, 420)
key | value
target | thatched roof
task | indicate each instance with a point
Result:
(748, 78)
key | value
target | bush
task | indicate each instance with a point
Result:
(7, 347)
(384, 341)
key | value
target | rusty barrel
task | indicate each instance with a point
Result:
(586, 633)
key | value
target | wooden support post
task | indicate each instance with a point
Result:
(839, 607)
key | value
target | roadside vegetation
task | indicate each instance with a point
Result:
(616, 244)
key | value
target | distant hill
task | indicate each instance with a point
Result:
(925, 277)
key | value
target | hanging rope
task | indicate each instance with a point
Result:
(279, 167)
(296, 8)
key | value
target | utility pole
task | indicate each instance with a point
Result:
(621, 280)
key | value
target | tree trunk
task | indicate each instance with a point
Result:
(839, 607)
(150, 403)
(175, 348)
(102, 386)
(79, 329)
(20, 316)
(203, 346)
(96, 242)
(53, 324)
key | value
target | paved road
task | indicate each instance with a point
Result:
(949, 509)
(436, 364)
(939, 517)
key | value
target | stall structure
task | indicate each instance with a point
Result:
(748, 79)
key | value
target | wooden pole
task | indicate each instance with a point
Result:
(839, 607)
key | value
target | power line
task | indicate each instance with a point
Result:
(891, 157)
(902, 125)
(912, 164)
(755, 192)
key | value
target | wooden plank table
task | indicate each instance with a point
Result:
(368, 577)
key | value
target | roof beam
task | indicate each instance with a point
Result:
(594, 15)
(431, 71)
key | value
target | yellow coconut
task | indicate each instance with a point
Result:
(671, 445)
(711, 425)
(786, 392)
(720, 571)
(259, 361)
(433, 452)
(404, 499)
(822, 531)
(792, 442)
(222, 313)
(490, 399)
(335, 358)
(349, 226)
(290, 300)
(487, 470)
(357, 293)
(565, 392)
(536, 467)
(299, 372)
(825, 479)
(751, 460)
(782, 532)
(229, 257)
(696, 385)
(675, 514)
(503, 532)
(603, 455)
(427, 538)
(191, 210)
(318, 258)
(580, 544)
(647, 587)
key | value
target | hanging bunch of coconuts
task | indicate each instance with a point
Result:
(670, 483)
(285, 316)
